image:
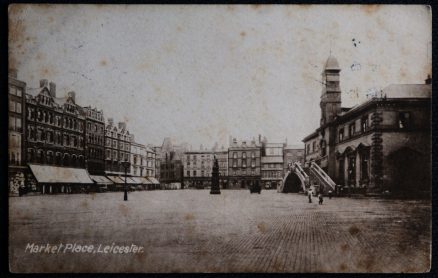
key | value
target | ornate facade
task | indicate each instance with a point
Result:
(381, 144)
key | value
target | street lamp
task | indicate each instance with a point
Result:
(126, 164)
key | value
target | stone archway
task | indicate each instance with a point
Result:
(292, 184)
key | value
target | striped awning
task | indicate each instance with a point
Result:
(101, 179)
(55, 174)
(153, 180)
(116, 179)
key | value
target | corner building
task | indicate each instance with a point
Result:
(381, 144)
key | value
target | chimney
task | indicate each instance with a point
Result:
(122, 125)
(44, 83)
(52, 89)
(428, 80)
(260, 138)
(72, 95)
(13, 73)
(110, 121)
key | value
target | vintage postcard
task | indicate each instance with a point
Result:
(219, 138)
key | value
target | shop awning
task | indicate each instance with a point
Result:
(116, 179)
(136, 180)
(144, 180)
(101, 179)
(55, 174)
(153, 180)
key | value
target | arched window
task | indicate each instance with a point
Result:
(58, 159)
(40, 156)
(66, 160)
(74, 161)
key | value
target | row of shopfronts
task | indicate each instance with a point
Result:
(53, 179)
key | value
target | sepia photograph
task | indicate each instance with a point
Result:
(219, 138)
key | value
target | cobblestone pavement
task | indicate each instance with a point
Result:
(193, 231)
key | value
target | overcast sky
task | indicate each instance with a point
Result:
(201, 73)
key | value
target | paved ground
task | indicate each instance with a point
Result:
(192, 231)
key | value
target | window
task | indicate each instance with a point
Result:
(194, 173)
(244, 162)
(351, 129)
(404, 120)
(341, 134)
(308, 148)
(12, 106)
(252, 154)
(235, 155)
(188, 173)
(313, 146)
(18, 107)
(253, 163)
(364, 123)
(234, 163)
(244, 155)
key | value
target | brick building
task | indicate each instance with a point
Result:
(117, 148)
(244, 163)
(272, 165)
(381, 144)
(198, 166)
(94, 140)
(16, 133)
(55, 129)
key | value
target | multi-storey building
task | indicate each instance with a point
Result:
(117, 148)
(55, 129)
(381, 144)
(138, 159)
(94, 140)
(272, 165)
(171, 171)
(150, 162)
(222, 157)
(157, 150)
(169, 158)
(292, 154)
(197, 168)
(244, 164)
(16, 134)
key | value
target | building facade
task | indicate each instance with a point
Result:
(291, 155)
(138, 159)
(272, 165)
(117, 148)
(150, 162)
(197, 168)
(16, 133)
(381, 144)
(94, 140)
(222, 157)
(244, 160)
(54, 128)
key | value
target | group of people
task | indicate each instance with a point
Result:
(320, 196)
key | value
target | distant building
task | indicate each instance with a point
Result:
(117, 148)
(222, 157)
(244, 163)
(381, 144)
(292, 154)
(198, 166)
(16, 133)
(150, 162)
(94, 140)
(170, 163)
(272, 165)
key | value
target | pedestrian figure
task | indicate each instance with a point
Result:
(320, 198)
(330, 194)
(310, 196)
